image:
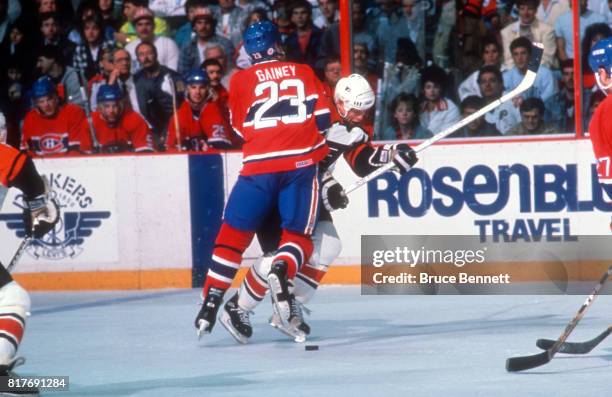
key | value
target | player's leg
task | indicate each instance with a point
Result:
(298, 203)
(235, 315)
(14, 306)
(248, 204)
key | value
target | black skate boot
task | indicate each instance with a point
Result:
(7, 370)
(205, 321)
(236, 320)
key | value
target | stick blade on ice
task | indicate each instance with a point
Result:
(515, 364)
(575, 347)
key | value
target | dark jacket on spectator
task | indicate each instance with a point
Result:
(294, 53)
(154, 97)
(83, 59)
(189, 57)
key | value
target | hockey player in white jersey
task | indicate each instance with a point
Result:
(353, 97)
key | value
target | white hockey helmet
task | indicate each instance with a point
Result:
(354, 92)
(3, 130)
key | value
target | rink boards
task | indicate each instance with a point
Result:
(135, 222)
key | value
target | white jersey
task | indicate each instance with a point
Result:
(504, 117)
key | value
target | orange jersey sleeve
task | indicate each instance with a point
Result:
(600, 130)
(11, 163)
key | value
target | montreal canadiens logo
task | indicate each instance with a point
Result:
(52, 143)
(76, 223)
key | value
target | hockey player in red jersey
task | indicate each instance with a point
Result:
(40, 215)
(353, 97)
(200, 120)
(53, 128)
(119, 129)
(280, 111)
(600, 128)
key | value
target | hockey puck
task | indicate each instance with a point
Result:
(311, 347)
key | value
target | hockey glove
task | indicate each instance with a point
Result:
(339, 140)
(40, 215)
(332, 193)
(401, 154)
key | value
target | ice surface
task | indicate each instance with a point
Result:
(144, 344)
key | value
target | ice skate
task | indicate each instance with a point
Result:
(236, 320)
(205, 321)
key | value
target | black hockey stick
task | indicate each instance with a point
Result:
(576, 347)
(537, 49)
(18, 253)
(527, 362)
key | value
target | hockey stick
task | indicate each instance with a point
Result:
(92, 131)
(576, 347)
(18, 253)
(177, 127)
(527, 362)
(532, 68)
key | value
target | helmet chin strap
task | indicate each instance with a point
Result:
(602, 87)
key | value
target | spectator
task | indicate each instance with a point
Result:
(250, 5)
(479, 127)
(602, 7)
(88, 10)
(473, 29)
(192, 53)
(230, 20)
(490, 55)
(17, 103)
(216, 89)
(167, 51)
(53, 128)
(107, 12)
(329, 14)
(530, 27)
(155, 87)
(127, 33)
(410, 25)
(361, 66)
(52, 35)
(217, 52)
(330, 42)
(19, 47)
(405, 122)
(559, 108)
(200, 121)
(303, 45)
(550, 10)
(243, 60)
(121, 74)
(185, 33)
(50, 63)
(491, 85)
(87, 55)
(119, 129)
(404, 77)
(332, 72)
(532, 119)
(106, 67)
(383, 14)
(597, 98)
(564, 29)
(544, 86)
(437, 112)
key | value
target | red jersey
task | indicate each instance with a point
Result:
(11, 163)
(209, 125)
(67, 130)
(130, 133)
(600, 130)
(280, 110)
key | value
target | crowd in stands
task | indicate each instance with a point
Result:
(153, 75)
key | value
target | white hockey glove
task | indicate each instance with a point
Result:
(401, 154)
(340, 139)
(40, 215)
(332, 193)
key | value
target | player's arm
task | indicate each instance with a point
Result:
(215, 127)
(367, 158)
(140, 134)
(79, 139)
(18, 170)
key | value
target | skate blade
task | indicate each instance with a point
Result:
(202, 329)
(282, 308)
(227, 323)
(297, 336)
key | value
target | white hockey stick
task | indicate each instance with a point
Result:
(532, 69)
